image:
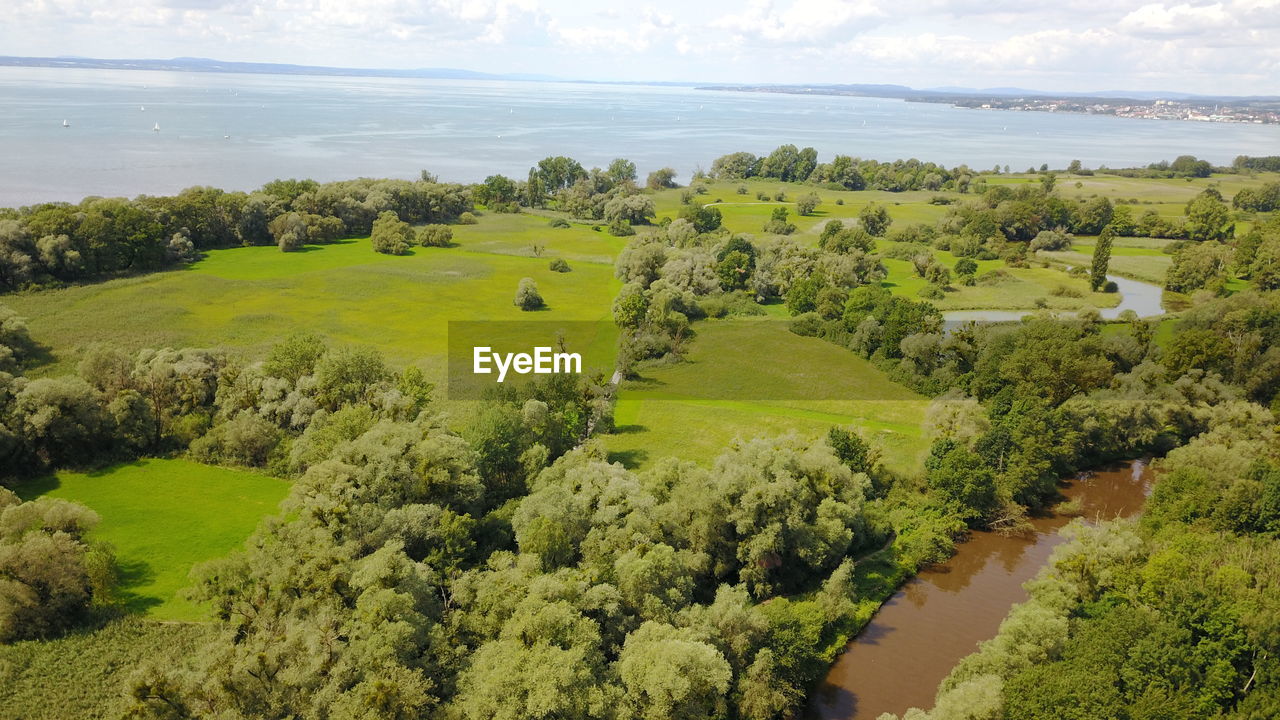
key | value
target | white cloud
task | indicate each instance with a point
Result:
(1209, 46)
(1176, 21)
(801, 20)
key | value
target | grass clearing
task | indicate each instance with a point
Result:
(84, 674)
(164, 516)
(752, 378)
(246, 299)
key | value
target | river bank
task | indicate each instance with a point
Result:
(939, 616)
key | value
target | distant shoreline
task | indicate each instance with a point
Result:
(1225, 109)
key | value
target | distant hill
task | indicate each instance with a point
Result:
(880, 90)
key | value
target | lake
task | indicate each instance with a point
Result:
(238, 131)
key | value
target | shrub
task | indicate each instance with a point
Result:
(839, 201)
(559, 223)
(435, 236)
(742, 189)
(621, 228)
(1064, 291)
(560, 266)
(467, 218)
(391, 235)
(50, 574)
(994, 277)
(932, 292)
(1110, 286)
(247, 439)
(527, 296)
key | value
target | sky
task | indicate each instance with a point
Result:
(1225, 47)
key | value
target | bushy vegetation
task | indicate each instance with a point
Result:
(56, 243)
(495, 563)
(1171, 616)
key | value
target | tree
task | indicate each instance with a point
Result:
(348, 375)
(497, 190)
(778, 224)
(962, 480)
(875, 219)
(1101, 258)
(559, 172)
(621, 171)
(1093, 216)
(289, 230)
(49, 573)
(705, 218)
(672, 673)
(662, 179)
(633, 209)
(1197, 266)
(735, 166)
(806, 204)
(527, 296)
(1264, 271)
(852, 450)
(1208, 217)
(391, 235)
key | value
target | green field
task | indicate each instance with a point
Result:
(246, 299)
(750, 378)
(164, 516)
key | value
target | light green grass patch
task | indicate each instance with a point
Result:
(755, 378)
(164, 516)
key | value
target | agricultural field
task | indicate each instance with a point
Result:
(162, 517)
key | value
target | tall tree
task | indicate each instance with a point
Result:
(1101, 259)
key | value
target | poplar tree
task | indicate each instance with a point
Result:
(1101, 258)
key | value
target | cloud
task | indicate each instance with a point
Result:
(1209, 46)
(800, 21)
(1156, 20)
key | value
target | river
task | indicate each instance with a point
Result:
(941, 615)
(1143, 298)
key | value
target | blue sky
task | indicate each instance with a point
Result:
(1231, 46)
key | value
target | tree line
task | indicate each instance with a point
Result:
(54, 243)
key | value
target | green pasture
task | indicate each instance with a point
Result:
(751, 378)
(246, 299)
(164, 516)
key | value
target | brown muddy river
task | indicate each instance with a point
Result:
(942, 614)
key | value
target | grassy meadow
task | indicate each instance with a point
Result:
(729, 389)
(162, 517)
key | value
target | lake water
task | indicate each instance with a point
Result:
(239, 131)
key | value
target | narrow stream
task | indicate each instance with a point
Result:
(1141, 297)
(942, 614)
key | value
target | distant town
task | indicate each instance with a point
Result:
(1256, 110)
(1151, 110)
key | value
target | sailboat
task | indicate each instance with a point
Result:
(156, 128)
(66, 123)
(142, 108)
